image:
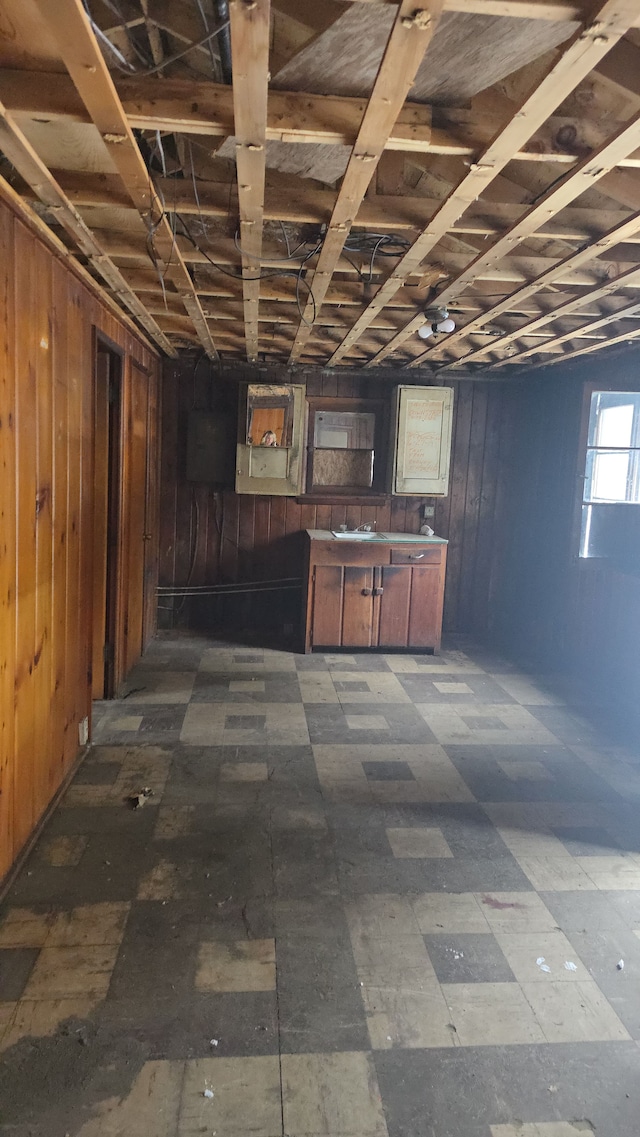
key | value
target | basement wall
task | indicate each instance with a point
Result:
(576, 618)
(212, 537)
(49, 316)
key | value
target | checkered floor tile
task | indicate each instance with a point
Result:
(365, 896)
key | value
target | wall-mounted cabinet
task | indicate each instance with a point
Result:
(270, 440)
(422, 441)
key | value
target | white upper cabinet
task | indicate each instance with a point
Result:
(422, 446)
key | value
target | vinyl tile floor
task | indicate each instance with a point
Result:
(367, 896)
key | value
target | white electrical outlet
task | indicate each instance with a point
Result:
(83, 731)
(428, 511)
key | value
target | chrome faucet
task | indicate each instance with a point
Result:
(366, 528)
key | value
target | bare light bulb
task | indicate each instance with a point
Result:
(425, 331)
(446, 325)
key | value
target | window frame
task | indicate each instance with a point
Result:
(589, 389)
(338, 494)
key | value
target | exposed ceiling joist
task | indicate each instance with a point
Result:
(526, 9)
(250, 58)
(86, 66)
(608, 23)
(622, 338)
(303, 203)
(411, 33)
(22, 155)
(553, 276)
(584, 330)
(578, 181)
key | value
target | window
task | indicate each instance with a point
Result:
(346, 452)
(611, 474)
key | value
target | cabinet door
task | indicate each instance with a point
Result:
(395, 599)
(359, 608)
(326, 620)
(425, 613)
(422, 440)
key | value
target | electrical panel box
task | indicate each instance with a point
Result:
(211, 447)
(422, 441)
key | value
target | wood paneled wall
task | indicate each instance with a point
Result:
(48, 322)
(209, 537)
(558, 613)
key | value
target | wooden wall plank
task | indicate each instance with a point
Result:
(26, 490)
(7, 541)
(258, 533)
(47, 321)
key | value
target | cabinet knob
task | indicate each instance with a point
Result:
(378, 591)
(366, 592)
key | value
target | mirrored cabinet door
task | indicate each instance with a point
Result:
(269, 451)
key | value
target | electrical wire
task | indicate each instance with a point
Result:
(124, 65)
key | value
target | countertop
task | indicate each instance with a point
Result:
(382, 538)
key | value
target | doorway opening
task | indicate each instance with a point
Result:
(106, 498)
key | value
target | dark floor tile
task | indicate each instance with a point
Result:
(304, 864)
(583, 910)
(316, 917)
(361, 873)
(421, 688)
(462, 1091)
(464, 874)
(183, 1025)
(388, 771)
(567, 727)
(601, 951)
(483, 723)
(468, 958)
(363, 661)
(328, 724)
(255, 722)
(97, 774)
(161, 719)
(119, 819)
(261, 687)
(319, 999)
(585, 841)
(16, 965)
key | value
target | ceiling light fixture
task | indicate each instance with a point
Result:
(438, 320)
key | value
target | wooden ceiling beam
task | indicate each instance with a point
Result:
(585, 330)
(250, 64)
(411, 33)
(553, 276)
(84, 61)
(303, 203)
(610, 341)
(525, 9)
(202, 107)
(205, 108)
(23, 157)
(577, 182)
(607, 23)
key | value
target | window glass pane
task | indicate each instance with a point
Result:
(614, 418)
(612, 476)
(345, 430)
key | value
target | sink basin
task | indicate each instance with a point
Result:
(353, 535)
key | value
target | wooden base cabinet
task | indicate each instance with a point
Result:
(374, 596)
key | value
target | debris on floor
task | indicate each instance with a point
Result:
(207, 1093)
(542, 965)
(620, 965)
(139, 799)
(569, 966)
